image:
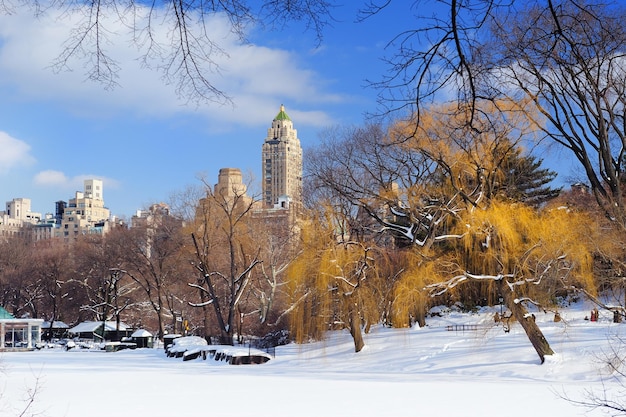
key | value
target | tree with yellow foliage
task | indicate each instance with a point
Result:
(515, 246)
(439, 188)
(334, 281)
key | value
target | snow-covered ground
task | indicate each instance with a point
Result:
(412, 372)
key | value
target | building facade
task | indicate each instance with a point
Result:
(282, 163)
(85, 213)
(151, 217)
(17, 216)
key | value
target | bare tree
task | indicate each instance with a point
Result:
(566, 60)
(613, 370)
(562, 61)
(187, 55)
(53, 265)
(434, 61)
(156, 261)
(225, 254)
(100, 260)
(18, 292)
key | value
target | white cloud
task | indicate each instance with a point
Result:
(51, 178)
(13, 152)
(250, 74)
(58, 179)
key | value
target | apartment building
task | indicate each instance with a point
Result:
(85, 213)
(282, 162)
(16, 215)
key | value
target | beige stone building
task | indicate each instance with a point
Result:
(17, 216)
(148, 218)
(282, 180)
(230, 192)
(282, 163)
(85, 213)
(230, 185)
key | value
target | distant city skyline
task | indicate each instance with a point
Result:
(145, 143)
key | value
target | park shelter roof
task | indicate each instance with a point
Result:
(5, 314)
(92, 326)
(141, 333)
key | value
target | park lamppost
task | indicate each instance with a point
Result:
(116, 275)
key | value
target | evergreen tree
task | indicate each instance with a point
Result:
(525, 180)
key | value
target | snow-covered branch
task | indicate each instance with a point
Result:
(442, 287)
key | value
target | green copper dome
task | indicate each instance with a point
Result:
(282, 115)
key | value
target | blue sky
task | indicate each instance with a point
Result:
(57, 129)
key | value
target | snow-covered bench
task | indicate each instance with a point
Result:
(194, 347)
(183, 344)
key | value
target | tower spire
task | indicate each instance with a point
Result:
(282, 114)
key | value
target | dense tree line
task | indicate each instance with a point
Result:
(215, 273)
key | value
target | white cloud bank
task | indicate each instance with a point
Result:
(58, 179)
(13, 153)
(252, 75)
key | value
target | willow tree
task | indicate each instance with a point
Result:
(410, 302)
(419, 182)
(521, 251)
(475, 230)
(334, 280)
(423, 171)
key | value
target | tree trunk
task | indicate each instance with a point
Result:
(536, 337)
(355, 328)
(420, 317)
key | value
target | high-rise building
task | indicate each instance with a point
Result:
(85, 213)
(282, 163)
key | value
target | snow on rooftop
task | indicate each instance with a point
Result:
(141, 333)
(56, 325)
(92, 326)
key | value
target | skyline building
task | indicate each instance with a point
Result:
(85, 213)
(16, 215)
(282, 163)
